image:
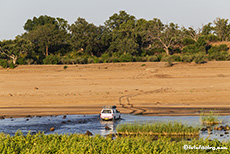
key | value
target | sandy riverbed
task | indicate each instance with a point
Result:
(153, 88)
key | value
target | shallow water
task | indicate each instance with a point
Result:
(82, 123)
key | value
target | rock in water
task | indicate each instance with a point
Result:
(52, 129)
(88, 133)
(107, 128)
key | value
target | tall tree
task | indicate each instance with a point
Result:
(222, 29)
(60, 23)
(207, 29)
(117, 19)
(165, 35)
(192, 33)
(123, 31)
(47, 36)
(91, 39)
(124, 39)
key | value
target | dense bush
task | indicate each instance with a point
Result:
(11, 65)
(126, 58)
(51, 59)
(75, 143)
(199, 58)
(3, 63)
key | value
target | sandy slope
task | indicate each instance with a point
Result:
(84, 89)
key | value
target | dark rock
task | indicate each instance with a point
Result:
(88, 133)
(226, 132)
(52, 129)
(107, 128)
(221, 135)
(2, 117)
(63, 122)
(27, 119)
(69, 121)
(36, 88)
(64, 117)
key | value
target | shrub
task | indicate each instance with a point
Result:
(176, 58)
(187, 58)
(65, 67)
(29, 61)
(126, 58)
(153, 59)
(21, 61)
(51, 59)
(199, 58)
(113, 60)
(3, 63)
(214, 49)
(138, 59)
(97, 60)
(222, 55)
(212, 38)
(190, 49)
(90, 60)
(81, 60)
(105, 57)
(11, 66)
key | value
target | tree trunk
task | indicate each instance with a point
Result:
(166, 50)
(15, 59)
(47, 51)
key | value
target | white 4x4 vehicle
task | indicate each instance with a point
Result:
(110, 113)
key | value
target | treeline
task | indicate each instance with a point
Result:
(122, 38)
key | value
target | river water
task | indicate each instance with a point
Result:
(82, 123)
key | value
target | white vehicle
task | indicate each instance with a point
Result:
(110, 113)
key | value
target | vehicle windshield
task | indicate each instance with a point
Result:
(106, 111)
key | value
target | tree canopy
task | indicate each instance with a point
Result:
(122, 36)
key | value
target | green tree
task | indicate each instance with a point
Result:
(222, 28)
(13, 49)
(88, 38)
(167, 36)
(46, 36)
(117, 19)
(124, 39)
(207, 29)
(30, 25)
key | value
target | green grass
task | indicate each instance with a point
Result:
(165, 129)
(210, 118)
(80, 144)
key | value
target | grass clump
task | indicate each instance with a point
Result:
(210, 118)
(163, 129)
(65, 67)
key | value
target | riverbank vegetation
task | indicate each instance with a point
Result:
(76, 143)
(122, 38)
(210, 118)
(163, 129)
